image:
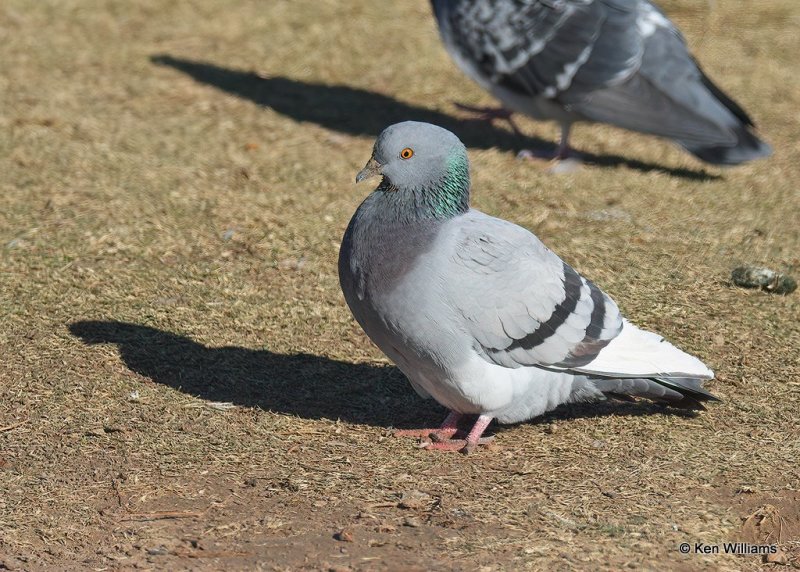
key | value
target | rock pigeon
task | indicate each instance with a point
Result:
(476, 311)
(621, 62)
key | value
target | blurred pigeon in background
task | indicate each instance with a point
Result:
(620, 62)
(476, 311)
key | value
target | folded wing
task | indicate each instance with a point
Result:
(524, 306)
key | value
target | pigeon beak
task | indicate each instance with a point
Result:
(371, 169)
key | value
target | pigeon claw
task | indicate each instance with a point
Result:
(460, 445)
(442, 436)
(417, 433)
(445, 431)
(427, 434)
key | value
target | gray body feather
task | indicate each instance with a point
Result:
(480, 315)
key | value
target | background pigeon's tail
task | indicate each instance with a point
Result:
(670, 96)
(683, 392)
(748, 146)
(696, 115)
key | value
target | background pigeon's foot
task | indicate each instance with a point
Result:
(491, 114)
(460, 445)
(567, 161)
(444, 432)
(536, 154)
(564, 166)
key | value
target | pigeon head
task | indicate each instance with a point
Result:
(424, 168)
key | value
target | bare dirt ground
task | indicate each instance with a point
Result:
(182, 386)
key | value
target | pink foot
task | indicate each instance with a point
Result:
(460, 445)
(444, 432)
(468, 445)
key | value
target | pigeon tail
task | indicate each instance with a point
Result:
(748, 147)
(681, 392)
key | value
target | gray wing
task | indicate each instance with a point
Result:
(559, 49)
(521, 303)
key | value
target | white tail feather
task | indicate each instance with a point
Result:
(639, 353)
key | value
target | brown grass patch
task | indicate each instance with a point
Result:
(182, 385)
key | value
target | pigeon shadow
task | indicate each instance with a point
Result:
(305, 385)
(361, 112)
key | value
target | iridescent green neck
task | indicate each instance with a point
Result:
(441, 199)
(452, 193)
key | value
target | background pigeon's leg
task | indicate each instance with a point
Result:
(446, 430)
(469, 444)
(563, 154)
(490, 114)
(565, 160)
(563, 145)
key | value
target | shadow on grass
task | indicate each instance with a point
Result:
(360, 112)
(611, 407)
(306, 385)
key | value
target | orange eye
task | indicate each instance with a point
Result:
(406, 153)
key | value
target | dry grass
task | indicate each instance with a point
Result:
(174, 181)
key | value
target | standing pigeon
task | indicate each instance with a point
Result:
(620, 62)
(476, 311)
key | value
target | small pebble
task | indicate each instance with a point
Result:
(764, 278)
(158, 551)
(414, 500)
(778, 557)
(344, 536)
